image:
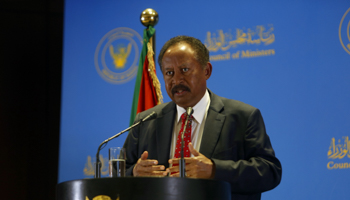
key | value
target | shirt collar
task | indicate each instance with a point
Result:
(198, 110)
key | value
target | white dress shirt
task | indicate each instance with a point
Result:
(200, 111)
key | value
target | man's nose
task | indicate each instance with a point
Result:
(178, 78)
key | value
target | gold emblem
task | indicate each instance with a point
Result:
(117, 55)
(224, 41)
(89, 169)
(101, 197)
(344, 31)
(340, 150)
(121, 56)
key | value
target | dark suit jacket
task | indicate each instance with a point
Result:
(234, 138)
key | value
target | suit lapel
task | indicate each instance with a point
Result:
(213, 126)
(165, 123)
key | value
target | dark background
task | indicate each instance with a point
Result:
(30, 90)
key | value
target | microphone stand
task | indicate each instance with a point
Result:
(182, 163)
(102, 145)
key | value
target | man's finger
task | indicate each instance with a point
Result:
(152, 168)
(144, 155)
(158, 168)
(192, 150)
(174, 161)
(191, 160)
(173, 169)
(154, 173)
(175, 174)
(146, 163)
(159, 173)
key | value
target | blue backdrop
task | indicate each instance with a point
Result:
(289, 59)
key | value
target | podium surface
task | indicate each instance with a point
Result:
(132, 188)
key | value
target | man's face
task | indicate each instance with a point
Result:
(185, 79)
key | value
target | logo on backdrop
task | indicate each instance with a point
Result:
(117, 55)
(339, 151)
(344, 31)
(101, 197)
(226, 45)
(89, 169)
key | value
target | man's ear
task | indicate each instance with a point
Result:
(208, 69)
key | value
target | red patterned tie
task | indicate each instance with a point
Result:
(187, 138)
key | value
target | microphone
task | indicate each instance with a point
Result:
(153, 115)
(189, 112)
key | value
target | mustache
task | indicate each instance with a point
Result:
(180, 87)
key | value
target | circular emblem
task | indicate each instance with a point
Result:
(344, 31)
(117, 54)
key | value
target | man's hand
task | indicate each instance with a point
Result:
(196, 167)
(145, 167)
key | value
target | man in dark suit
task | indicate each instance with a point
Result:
(229, 140)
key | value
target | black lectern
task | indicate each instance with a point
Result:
(132, 188)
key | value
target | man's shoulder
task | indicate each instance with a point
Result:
(159, 109)
(237, 104)
(231, 105)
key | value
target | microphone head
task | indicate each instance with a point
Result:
(189, 111)
(153, 115)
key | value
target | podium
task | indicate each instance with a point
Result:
(135, 188)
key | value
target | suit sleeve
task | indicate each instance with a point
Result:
(258, 170)
(131, 146)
